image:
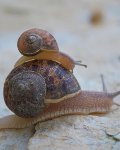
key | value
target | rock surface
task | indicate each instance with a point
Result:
(77, 132)
(15, 139)
(97, 46)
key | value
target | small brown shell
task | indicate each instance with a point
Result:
(32, 41)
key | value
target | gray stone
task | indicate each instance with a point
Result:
(74, 133)
(15, 139)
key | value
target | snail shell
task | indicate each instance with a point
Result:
(27, 91)
(34, 84)
(32, 41)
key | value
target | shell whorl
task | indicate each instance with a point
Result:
(25, 93)
(32, 41)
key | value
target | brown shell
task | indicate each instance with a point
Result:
(24, 93)
(32, 41)
(59, 81)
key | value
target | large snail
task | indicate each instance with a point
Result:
(42, 86)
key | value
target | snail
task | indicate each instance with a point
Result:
(42, 85)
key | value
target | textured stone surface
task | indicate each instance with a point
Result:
(97, 46)
(76, 132)
(15, 139)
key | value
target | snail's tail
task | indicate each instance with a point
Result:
(15, 122)
(24, 93)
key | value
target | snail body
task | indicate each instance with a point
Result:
(42, 86)
(85, 103)
(58, 57)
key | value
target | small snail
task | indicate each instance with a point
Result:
(42, 86)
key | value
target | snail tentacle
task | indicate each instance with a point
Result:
(103, 83)
(113, 95)
(79, 63)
